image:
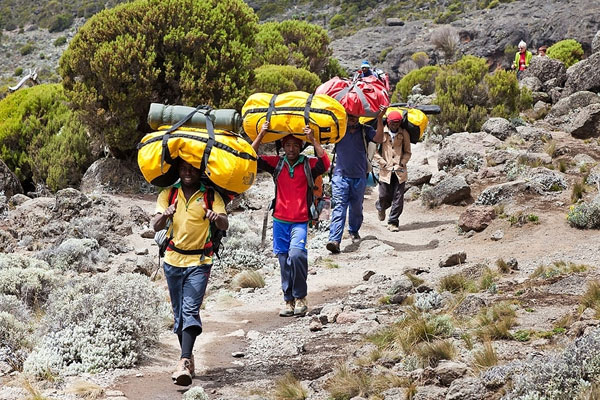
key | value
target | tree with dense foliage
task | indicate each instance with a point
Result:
(296, 43)
(41, 139)
(468, 95)
(423, 76)
(284, 78)
(569, 51)
(172, 51)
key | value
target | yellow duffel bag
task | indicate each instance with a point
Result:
(413, 120)
(288, 113)
(226, 159)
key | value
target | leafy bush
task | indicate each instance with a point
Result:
(175, 51)
(284, 78)
(60, 41)
(41, 139)
(13, 340)
(336, 21)
(28, 279)
(468, 95)
(420, 58)
(242, 246)
(295, 43)
(73, 255)
(585, 215)
(569, 51)
(424, 76)
(60, 23)
(90, 327)
(18, 71)
(27, 49)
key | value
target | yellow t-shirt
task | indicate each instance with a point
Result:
(190, 227)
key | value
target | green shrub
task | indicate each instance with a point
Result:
(60, 23)
(14, 340)
(60, 41)
(40, 137)
(569, 51)
(423, 76)
(296, 43)
(585, 215)
(284, 78)
(468, 95)
(175, 51)
(336, 21)
(420, 58)
(27, 49)
(90, 328)
(18, 71)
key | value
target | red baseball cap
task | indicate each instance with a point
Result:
(394, 116)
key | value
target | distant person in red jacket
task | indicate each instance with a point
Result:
(292, 213)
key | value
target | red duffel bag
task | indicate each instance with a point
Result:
(360, 96)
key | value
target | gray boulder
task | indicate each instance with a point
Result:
(466, 389)
(594, 176)
(546, 68)
(531, 133)
(418, 174)
(70, 202)
(394, 22)
(596, 43)
(586, 123)
(449, 371)
(476, 218)
(458, 148)
(430, 393)
(547, 179)
(109, 175)
(451, 190)
(506, 191)
(9, 183)
(575, 101)
(532, 83)
(470, 306)
(541, 97)
(18, 199)
(585, 75)
(453, 259)
(556, 94)
(499, 127)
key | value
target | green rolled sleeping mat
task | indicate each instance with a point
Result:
(222, 119)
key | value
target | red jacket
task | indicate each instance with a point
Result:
(290, 200)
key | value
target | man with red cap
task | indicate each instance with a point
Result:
(291, 212)
(392, 159)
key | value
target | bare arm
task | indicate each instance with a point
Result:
(319, 151)
(220, 220)
(259, 138)
(159, 221)
(378, 138)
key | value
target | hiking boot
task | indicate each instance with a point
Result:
(333, 247)
(192, 367)
(381, 215)
(182, 375)
(301, 307)
(288, 310)
(354, 236)
(393, 228)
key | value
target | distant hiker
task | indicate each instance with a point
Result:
(522, 58)
(542, 51)
(349, 179)
(291, 212)
(392, 158)
(188, 258)
(365, 69)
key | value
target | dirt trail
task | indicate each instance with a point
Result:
(425, 237)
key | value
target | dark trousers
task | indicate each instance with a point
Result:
(391, 194)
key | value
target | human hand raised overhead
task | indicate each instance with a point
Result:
(309, 134)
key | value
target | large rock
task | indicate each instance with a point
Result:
(449, 371)
(458, 148)
(466, 389)
(453, 259)
(70, 202)
(586, 123)
(573, 102)
(497, 194)
(585, 75)
(9, 183)
(546, 68)
(596, 43)
(430, 393)
(418, 174)
(531, 133)
(109, 175)
(476, 218)
(451, 190)
(532, 83)
(499, 127)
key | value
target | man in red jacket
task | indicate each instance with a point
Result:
(292, 213)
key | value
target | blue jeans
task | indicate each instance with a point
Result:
(186, 289)
(347, 195)
(289, 244)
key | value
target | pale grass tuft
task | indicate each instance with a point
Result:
(416, 281)
(289, 388)
(503, 266)
(591, 298)
(248, 279)
(345, 384)
(495, 322)
(370, 359)
(432, 353)
(87, 390)
(34, 392)
(486, 357)
(558, 268)
(225, 301)
(457, 283)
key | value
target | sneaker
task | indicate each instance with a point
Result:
(301, 307)
(381, 215)
(288, 310)
(182, 375)
(393, 228)
(354, 236)
(333, 247)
